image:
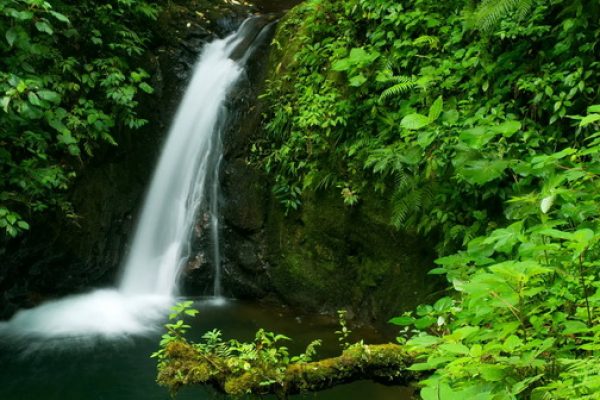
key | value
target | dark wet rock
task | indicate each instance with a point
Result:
(329, 256)
(246, 196)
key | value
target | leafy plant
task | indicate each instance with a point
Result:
(264, 358)
(176, 329)
(343, 333)
(69, 80)
(525, 317)
(346, 105)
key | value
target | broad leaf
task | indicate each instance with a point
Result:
(482, 171)
(436, 109)
(415, 121)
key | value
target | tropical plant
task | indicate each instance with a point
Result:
(401, 101)
(69, 80)
(524, 320)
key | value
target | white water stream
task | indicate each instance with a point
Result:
(178, 187)
(190, 159)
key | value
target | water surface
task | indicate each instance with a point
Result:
(84, 368)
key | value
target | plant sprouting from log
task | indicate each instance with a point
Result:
(343, 333)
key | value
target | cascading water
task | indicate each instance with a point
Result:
(189, 161)
(190, 156)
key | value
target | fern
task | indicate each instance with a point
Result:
(326, 181)
(410, 198)
(490, 12)
(432, 41)
(403, 85)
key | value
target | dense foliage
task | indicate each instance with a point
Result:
(412, 101)
(479, 122)
(524, 321)
(68, 80)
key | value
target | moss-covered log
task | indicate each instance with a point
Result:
(385, 363)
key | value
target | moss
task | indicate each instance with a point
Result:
(329, 256)
(180, 350)
(386, 363)
(242, 384)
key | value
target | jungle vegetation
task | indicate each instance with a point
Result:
(69, 80)
(479, 121)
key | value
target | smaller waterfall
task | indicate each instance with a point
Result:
(214, 227)
(187, 173)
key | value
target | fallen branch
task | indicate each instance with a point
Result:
(184, 365)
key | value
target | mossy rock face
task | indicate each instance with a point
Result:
(329, 256)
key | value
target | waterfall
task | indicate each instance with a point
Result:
(186, 177)
(190, 158)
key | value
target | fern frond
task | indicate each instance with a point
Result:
(404, 206)
(403, 181)
(409, 200)
(327, 181)
(403, 85)
(457, 231)
(490, 12)
(432, 41)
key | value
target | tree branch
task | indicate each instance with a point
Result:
(385, 363)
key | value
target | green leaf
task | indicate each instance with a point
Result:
(23, 225)
(572, 327)
(414, 121)
(511, 343)
(66, 138)
(546, 203)
(436, 109)
(74, 150)
(492, 373)
(424, 341)
(557, 234)
(425, 138)
(463, 332)
(589, 119)
(19, 15)
(583, 236)
(357, 80)
(594, 109)
(4, 102)
(443, 304)
(402, 321)
(11, 36)
(508, 128)
(477, 137)
(425, 322)
(482, 171)
(33, 99)
(44, 26)
(360, 56)
(49, 95)
(455, 348)
(146, 88)
(60, 17)
(341, 65)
